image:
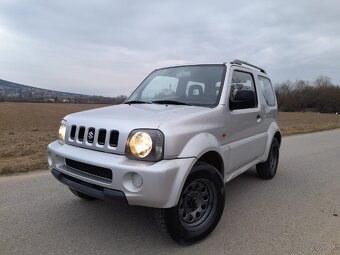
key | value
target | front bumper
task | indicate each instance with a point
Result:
(162, 181)
(87, 188)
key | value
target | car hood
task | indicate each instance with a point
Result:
(124, 118)
(133, 116)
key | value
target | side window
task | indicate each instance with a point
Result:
(242, 91)
(267, 90)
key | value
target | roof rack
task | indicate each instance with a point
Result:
(240, 62)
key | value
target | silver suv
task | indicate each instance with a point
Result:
(174, 143)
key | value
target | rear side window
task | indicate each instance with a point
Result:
(267, 90)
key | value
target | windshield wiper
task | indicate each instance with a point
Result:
(169, 102)
(137, 102)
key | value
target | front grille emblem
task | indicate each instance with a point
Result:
(90, 135)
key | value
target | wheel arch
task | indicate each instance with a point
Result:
(213, 158)
(278, 136)
(273, 132)
(204, 147)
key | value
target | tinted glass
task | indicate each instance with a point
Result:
(242, 88)
(195, 85)
(267, 90)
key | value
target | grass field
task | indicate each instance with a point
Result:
(27, 128)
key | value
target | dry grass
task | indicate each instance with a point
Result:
(299, 122)
(26, 129)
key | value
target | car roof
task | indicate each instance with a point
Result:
(235, 62)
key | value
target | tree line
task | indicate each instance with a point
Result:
(79, 99)
(320, 95)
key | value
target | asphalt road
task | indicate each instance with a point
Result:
(298, 212)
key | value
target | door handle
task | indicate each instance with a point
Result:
(258, 117)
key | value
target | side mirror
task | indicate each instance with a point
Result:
(243, 99)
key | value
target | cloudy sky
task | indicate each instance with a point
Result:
(107, 47)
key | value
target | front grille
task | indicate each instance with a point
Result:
(114, 138)
(90, 169)
(81, 134)
(90, 135)
(99, 139)
(102, 136)
(73, 132)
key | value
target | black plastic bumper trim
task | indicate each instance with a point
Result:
(88, 188)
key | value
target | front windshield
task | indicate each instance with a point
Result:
(199, 85)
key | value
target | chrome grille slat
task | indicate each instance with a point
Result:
(95, 139)
(76, 136)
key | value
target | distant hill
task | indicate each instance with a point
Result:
(15, 92)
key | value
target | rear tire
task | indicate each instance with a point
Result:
(82, 195)
(199, 209)
(267, 170)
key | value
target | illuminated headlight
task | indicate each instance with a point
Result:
(140, 144)
(145, 145)
(62, 131)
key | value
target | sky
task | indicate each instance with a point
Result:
(107, 48)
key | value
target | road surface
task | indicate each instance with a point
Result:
(298, 212)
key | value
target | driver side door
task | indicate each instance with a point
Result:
(246, 135)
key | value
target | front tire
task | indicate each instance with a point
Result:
(267, 170)
(200, 206)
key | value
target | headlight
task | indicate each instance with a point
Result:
(140, 144)
(145, 145)
(62, 131)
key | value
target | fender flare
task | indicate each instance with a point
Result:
(196, 147)
(272, 130)
(201, 144)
